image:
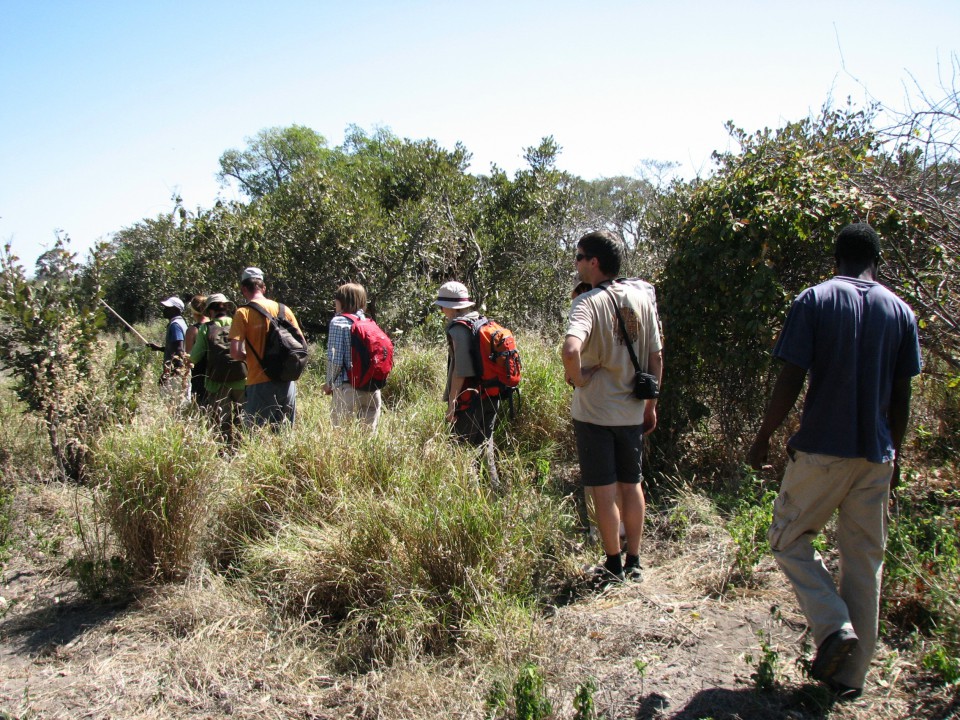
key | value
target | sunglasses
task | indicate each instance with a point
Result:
(580, 256)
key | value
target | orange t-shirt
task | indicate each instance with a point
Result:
(251, 327)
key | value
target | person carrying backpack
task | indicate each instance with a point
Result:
(353, 339)
(471, 408)
(198, 371)
(225, 378)
(264, 331)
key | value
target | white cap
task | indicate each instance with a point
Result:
(173, 302)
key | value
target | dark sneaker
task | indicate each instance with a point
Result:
(843, 692)
(634, 573)
(599, 577)
(832, 654)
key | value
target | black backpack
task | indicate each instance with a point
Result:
(285, 349)
(221, 367)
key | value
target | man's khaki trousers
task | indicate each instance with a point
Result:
(813, 487)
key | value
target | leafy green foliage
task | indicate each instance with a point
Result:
(6, 509)
(583, 704)
(126, 379)
(48, 328)
(765, 664)
(529, 694)
(271, 157)
(921, 580)
(143, 264)
(942, 660)
(527, 229)
(750, 238)
(496, 700)
(399, 216)
(749, 519)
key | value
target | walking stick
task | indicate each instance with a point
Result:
(128, 325)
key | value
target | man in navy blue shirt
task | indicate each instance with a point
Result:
(857, 342)
(173, 346)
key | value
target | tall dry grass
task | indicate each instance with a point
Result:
(391, 541)
(153, 480)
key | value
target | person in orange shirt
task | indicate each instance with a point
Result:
(267, 401)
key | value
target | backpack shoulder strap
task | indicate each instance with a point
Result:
(473, 325)
(352, 318)
(262, 310)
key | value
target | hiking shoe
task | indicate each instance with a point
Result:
(844, 693)
(832, 654)
(600, 578)
(634, 573)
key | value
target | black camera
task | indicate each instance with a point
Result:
(646, 387)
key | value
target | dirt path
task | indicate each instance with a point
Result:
(660, 651)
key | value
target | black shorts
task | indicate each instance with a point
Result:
(609, 454)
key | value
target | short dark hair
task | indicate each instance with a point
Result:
(858, 242)
(254, 284)
(606, 247)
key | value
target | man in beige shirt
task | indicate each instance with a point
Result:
(609, 421)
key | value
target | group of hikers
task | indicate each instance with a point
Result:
(852, 341)
(226, 379)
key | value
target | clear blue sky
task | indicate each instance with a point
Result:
(109, 108)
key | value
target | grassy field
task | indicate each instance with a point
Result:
(322, 573)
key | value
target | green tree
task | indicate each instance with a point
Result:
(750, 238)
(526, 230)
(380, 210)
(271, 157)
(146, 262)
(48, 328)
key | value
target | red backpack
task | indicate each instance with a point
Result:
(371, 354)
(495, 352)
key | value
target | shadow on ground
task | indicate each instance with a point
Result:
(809, 702)
(56, 625)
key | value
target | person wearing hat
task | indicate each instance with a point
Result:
(473, 415)
(267, 401)
(173, 346)
(856, 344)
(225, 396)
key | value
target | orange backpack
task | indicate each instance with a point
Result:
(495, 353)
